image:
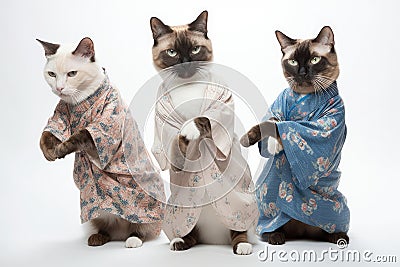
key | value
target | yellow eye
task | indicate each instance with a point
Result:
(196, 50)
(171, 52)
(292, 62)
(51, 74)
(315, 60)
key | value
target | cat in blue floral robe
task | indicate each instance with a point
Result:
(303, 133)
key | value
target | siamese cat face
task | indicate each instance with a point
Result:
(71, 71)
(309, 65)
(181, 44)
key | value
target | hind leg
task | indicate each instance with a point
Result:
(186, 242)
(98, 239)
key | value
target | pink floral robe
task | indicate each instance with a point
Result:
(109, 184)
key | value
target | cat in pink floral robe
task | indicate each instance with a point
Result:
(108, 186)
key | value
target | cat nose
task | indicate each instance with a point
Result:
(302, 71)
(59, 89)
(185, 59)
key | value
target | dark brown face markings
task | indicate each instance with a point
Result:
(306, 77)
(181, 39)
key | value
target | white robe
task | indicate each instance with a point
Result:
(220, 175)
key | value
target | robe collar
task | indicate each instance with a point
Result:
(83, 106)
(301, 106)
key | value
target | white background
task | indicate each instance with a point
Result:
(40, 224)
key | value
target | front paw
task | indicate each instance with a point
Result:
(63, 149)
(251, 137)
(47, 144)
(243, 248)
(274, 146)
(178, 244)
(190, 131)
(49, 154)
(274, 238)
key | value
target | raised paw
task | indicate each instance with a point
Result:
(96, 240)
(190, 131)
(178, 244)
(133, 242)
(251, 137)
(49, 154)
(47, 143)
(274, 238)
(63, 149)
(274, 147)
(244, 249)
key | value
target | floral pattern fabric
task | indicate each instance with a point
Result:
(108, 184)
(303, 179)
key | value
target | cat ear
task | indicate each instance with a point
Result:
(49, 48)
(158, 28)
(200, 24)
(283, 40)
(325, 37)
(85, 48)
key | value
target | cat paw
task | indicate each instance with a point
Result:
(244, 249)
(49, 154)
(96, 240)
(178, 244)
(62, 150)
(190, 131)
(133, 242)
(251, 137)
(274, 238)
(274, 147)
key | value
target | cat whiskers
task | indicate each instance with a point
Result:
(74, 96)
(321, 84)
(292, 82)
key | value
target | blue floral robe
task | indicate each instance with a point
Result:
(301, 183)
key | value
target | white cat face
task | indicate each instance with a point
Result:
(72, 74)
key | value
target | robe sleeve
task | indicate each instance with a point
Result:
(313, 147)
(58, 123)
(106, 127)
(164, 134)
(276, 111)
(221, 116)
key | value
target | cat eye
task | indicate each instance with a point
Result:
(51, 74)
(292, 62)
(171, 52)
(315, 60)
(72, 73)
(196, 50)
